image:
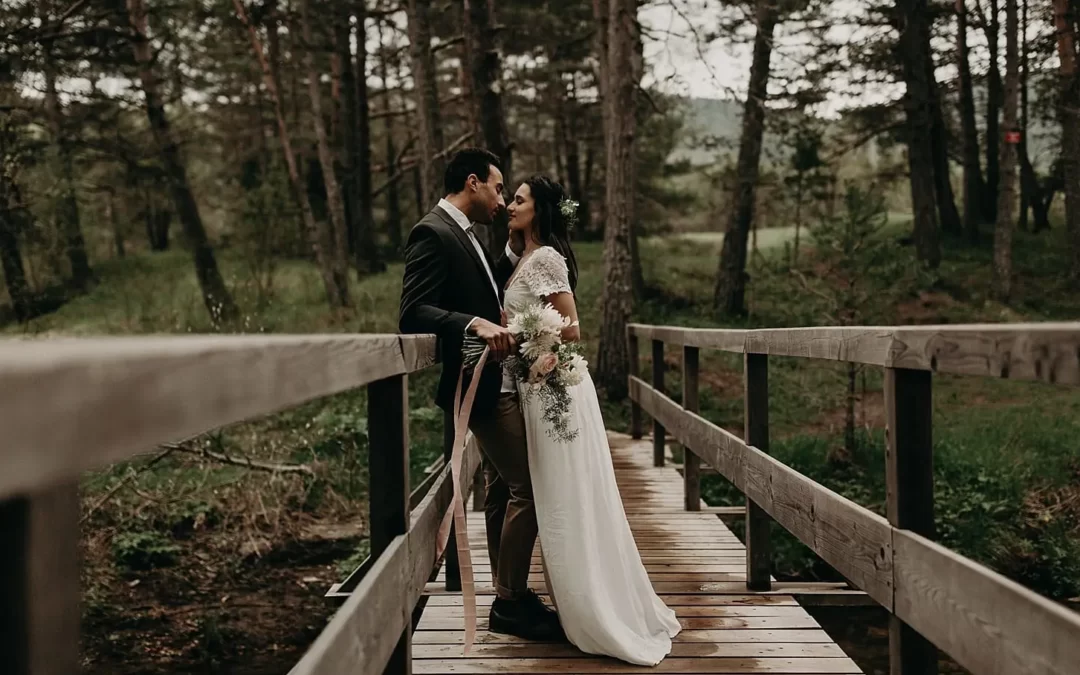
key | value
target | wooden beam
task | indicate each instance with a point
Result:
(989, 624)
(39, 583)
(909, 479)
(388, 462)
(1049, 352)
(131, 394)
(632, 351)
(691, 462)
(659, 439)
(756, 434)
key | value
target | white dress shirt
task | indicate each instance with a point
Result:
(465, 224)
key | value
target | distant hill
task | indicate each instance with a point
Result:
(712, 127)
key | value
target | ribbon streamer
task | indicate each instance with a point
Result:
(456, 512)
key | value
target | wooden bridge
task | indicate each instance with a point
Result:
(67, 406)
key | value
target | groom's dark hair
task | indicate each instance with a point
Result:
(466, 162)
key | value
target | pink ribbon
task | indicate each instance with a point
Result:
(456, 512)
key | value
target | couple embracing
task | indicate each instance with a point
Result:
(562, 490)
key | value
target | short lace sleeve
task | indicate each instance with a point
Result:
(546, 273)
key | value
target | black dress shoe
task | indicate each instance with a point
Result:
(524, 619)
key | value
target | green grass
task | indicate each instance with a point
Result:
(1006, 468)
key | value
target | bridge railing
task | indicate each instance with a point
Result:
(69, 405)
(987, 623)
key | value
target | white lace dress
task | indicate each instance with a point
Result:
(596, 578)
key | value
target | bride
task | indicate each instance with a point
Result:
(597, 581)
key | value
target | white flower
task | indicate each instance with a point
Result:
(572, 372)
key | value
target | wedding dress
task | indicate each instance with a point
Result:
(597, 581)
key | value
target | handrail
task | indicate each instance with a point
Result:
(68, 405)
(1033, 351)
(990, 625)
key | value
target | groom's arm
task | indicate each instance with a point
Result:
(508, 260)
(426, 272)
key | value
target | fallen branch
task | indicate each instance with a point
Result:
(244, 461)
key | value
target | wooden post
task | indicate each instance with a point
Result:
(635, 371)
(691, 462)
(658, 384)
(909, 478)
(39, 583)
(450, 558)
(388, 462)
(756, 431)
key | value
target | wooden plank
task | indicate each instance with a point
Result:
(131, 394)
(853, 344)
(799, 620)
(669, 600)
(909, 481)
(716, 636)
(659, 440)
(525, 650)
(388, 468)
(39, 583)
(989, 624)
(756, 433)
(691, 462)
(699, 611)
(795, 589)
(1048, 352)
(632, 350)
(703, 338)
(802, 666)
(855, 541)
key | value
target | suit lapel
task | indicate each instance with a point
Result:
(467, 244)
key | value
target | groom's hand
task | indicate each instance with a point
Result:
(517, 242)
(499, 339)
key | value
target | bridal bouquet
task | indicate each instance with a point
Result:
(547, 365)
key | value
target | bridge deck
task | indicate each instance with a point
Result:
(695, 563)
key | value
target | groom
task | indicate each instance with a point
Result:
(452, 288)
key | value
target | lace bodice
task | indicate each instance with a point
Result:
(541, 274)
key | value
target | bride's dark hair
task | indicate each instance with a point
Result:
(550, 226)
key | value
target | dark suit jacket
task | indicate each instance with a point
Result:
(445, 286)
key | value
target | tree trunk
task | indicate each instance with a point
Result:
(67, 204)
(11, 262)
(1026, 184)
(973, 179)
(319, 234)
(993, 114)
(798, 220)
(731, 277)
(367, 256)
(335, 204)
(114, 223)
(426, 89)
(913, 50)
(619, 132)
(393, 198)
(1006, 214)
(1065, 21)
(948, 216)
(482, 57)
(215, 295)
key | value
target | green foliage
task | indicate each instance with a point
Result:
(348, 565)
(144, 550)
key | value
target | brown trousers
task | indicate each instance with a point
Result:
(508, 507)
